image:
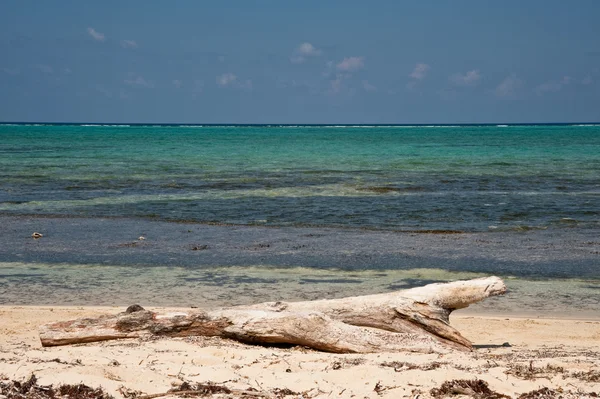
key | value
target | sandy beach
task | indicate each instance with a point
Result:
(300, 200)
(513, 356)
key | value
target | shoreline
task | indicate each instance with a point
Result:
(558, 354)
(543, 333)
(37, 284)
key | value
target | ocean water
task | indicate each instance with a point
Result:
(464, 178)
(533, 191)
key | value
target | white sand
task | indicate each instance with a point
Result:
(155, 366)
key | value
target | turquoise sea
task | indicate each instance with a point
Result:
(531, 189)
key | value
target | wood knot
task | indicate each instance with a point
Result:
(134, 308)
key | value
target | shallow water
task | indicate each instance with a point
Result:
(92, 261)
(43, 284)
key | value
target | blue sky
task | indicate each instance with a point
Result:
(463, 61)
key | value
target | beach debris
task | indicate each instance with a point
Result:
(474, 388)
(588, 376)
(344, 363)
(283, 392)
(530, 372)
(37, 235)
(414, 320)
(30, 389)
(210, 389)
(380, 388)
(129, 393)
(559, 393)
(404, 366)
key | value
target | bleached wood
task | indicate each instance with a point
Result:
(409, 320)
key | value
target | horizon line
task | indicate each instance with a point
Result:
(296, 124)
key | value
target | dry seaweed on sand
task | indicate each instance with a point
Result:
(530, 372)
(547, 393)
(30, 389)
(587, 376)
(340, 364)
(474, 388)
(403, 366)
(209, 389)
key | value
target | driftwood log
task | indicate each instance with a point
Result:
(415, 320)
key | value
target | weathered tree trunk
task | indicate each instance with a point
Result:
(409, 320)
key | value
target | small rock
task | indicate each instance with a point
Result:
(134, 308)
(37, 235)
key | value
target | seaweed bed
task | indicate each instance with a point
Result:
(476, 389)
(31, 390)
(479, 389)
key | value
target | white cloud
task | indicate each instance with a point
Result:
(95, 34)
(351, 64)
(231, 80)
(308, 50)
(129, 44)
(508, 86)
(226, 79)
(553, 86)
(420, 71)
(304, 51)
(368, 86)
(177, 83)
(138, 81)
(548, 87)
(45, 69)
(471, 78)
(587, 80)
(344, 69)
